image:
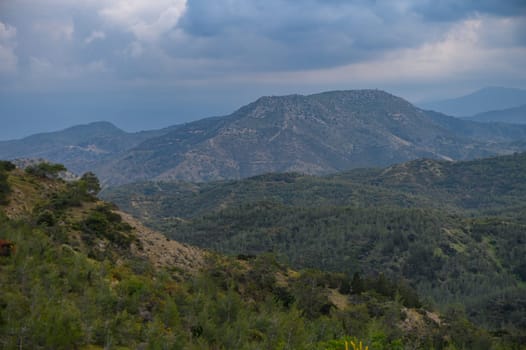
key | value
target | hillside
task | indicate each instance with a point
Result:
(315, 134)
(75, 273)
(483, 186)
(480, 101)
(516, 115)
(480, 186)
(81, 148)
(454, 229)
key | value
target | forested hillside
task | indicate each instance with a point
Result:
(74, 274)
(455, 230)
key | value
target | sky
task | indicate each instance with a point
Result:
(145, 64)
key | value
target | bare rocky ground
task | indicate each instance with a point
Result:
(164, 252)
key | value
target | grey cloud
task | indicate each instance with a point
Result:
(452, 10)
(221, 37)
(291, 35)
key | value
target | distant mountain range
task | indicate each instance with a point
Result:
(314, 134)
(516, 115)
(81, 148)
(480, 101)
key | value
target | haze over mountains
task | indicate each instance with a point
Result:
(515, 115)
(480, 101)
(82, 148)
(313, 134)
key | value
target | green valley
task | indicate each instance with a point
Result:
(77, 274)
(454, 230)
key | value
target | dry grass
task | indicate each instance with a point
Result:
(164, 252)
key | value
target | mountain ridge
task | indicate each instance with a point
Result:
(315, 134)
(514, 115)
(479, 101)
(80, 147)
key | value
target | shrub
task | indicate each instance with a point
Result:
(45, 170)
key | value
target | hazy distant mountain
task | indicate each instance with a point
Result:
(483, 100)
(313, 134)
(516, 115)
(491, 132)
(80, 147)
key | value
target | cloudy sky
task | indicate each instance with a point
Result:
(145, 64)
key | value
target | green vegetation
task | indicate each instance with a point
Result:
(45, 169)
(455, 231)
(5, 167)
(75, 282)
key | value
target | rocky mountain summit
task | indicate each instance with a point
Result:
(314, 134)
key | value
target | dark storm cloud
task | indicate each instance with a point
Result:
(284, 35)
(221, 37)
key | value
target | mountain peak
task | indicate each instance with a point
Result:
(312, 134)
(97, 126)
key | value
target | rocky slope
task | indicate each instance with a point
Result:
(313, 134)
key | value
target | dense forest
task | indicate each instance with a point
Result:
(455, 231)
(74, 276)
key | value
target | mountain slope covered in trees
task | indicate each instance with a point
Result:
(456, 230)
(76, 274)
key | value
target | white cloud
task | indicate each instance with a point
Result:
(146, 19)
(8, 58)
(95, 35)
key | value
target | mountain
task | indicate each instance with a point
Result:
(479, 187)
(315, 134)
(500, 137)
(80, 147)
(516, 115)
(483, 100)
(455, 230)
(75, 273)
